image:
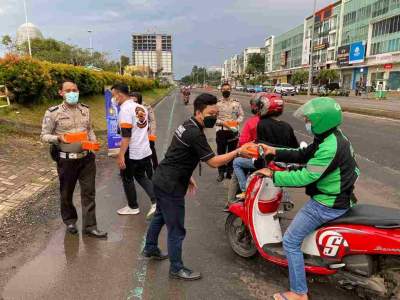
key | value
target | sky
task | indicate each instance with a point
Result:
(205, 32)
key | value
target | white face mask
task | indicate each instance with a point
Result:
(309, 128)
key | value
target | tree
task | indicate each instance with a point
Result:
(327, 76)
(8, 43)
(255, 64)
(124, 62)
(300, 77)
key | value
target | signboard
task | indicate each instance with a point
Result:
(388, 66)
(113, 138)
(321, 46)
(343, 55)
(305, 58)
(283, 59)
(357, 53)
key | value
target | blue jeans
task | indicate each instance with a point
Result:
(171, 212)
(239, 166)
(310, 217)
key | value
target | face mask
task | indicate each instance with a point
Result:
(308, 128)
(209, 121)
(254, 111)
(226, 94)
(72, 98)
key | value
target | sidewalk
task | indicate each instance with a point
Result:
(26, 169)
(388, 108)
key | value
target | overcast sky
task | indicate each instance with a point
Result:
(204, 31)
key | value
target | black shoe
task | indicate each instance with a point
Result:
(220, 178)
(96, 233)
(71, 228)
(185, 274)
(157, 255)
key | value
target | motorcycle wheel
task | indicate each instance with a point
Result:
(239, 237)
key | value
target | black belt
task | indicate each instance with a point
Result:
(70, 155)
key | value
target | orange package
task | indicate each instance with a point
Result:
(252, 151)
(75, 137)
(231, 123)
(152, 138)
(90, 146)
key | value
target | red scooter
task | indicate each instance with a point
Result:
(360, 250)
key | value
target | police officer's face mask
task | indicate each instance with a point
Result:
(226, 94)
(71, 98)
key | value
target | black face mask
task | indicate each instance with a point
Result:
(226, 94)
(209, 121)
(254, 111)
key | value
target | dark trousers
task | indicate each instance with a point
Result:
(226, 142)
(154, 160)
(136, 170)
(171, 212)
(69, 172)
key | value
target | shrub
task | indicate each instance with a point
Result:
(31, 81)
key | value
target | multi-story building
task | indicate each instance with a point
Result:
(269, 51)
(154, 51)
(370, 43)
(287, 54)
(248, 52)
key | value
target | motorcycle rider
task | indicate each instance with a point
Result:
(329, 177)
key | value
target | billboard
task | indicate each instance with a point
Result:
(343, 55)
(357, 52)
(305, 58)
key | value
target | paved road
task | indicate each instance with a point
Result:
(68, 267)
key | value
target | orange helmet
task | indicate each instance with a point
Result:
(269, 104)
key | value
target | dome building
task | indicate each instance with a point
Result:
(24, 29)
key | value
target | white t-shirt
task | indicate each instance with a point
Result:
(135, 116)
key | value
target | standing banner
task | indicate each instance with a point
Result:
(113, 138)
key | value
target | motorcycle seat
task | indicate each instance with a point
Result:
(371, 215)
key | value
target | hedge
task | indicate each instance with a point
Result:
(32, 81)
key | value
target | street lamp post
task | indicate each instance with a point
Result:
(310, 73)
(27, 30)
(90, 42)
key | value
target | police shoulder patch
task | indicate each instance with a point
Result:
(84, 105)
(53, 108)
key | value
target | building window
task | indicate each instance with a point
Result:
(380, 7)
(387, 26)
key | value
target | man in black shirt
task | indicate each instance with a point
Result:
(173, 178)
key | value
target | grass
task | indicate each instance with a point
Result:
(33, 115)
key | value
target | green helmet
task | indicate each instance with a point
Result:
(324, 113)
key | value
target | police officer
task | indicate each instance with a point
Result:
(227, 136)
(73, 163)
(172, 179)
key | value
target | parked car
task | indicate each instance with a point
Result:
(258, 89)
(268, 88)
(239, 88)
(284, 89)
(250, 89)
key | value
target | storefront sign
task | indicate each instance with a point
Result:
(388, 66)
(357, 52)
(113, 138)
(343, 55)
(321, 46)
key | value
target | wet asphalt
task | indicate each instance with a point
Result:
(61, 266)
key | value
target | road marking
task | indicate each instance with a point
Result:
(141, 270)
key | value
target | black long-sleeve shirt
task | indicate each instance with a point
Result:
(276, 133)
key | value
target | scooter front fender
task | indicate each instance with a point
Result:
(238, 210)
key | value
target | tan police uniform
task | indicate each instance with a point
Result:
(73, 163)
(229, 110)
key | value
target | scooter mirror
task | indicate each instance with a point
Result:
(303, 145)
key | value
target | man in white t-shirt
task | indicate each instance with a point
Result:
(135, 153)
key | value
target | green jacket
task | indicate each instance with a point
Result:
(330, 172)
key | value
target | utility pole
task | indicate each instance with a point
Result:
(204, 80)
(120, 61)
(27, 30)
(310, 73)
(90, 42)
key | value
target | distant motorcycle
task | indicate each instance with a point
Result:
(360, 250)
